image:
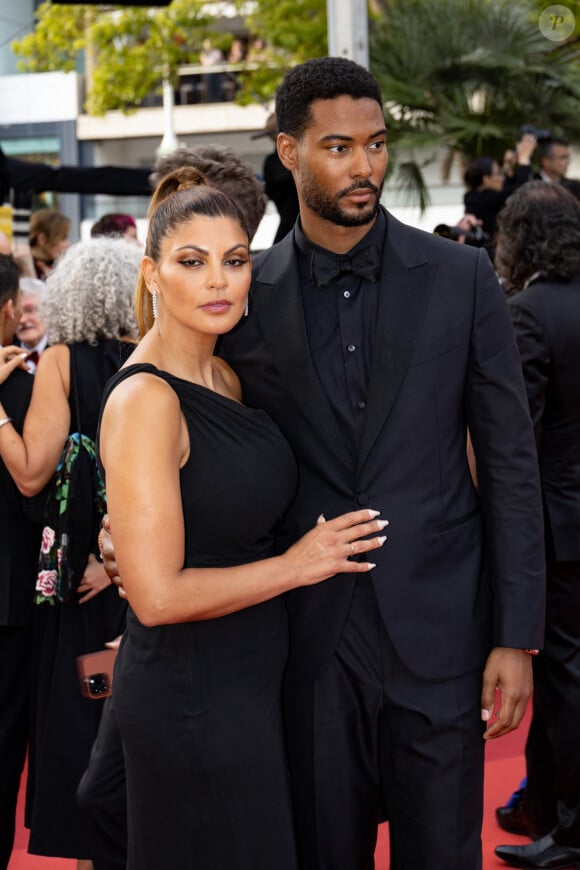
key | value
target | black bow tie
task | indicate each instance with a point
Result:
(366, 263)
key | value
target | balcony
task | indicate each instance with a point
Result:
(203, 105)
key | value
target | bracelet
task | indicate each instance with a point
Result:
(531, 652)
(5, 420)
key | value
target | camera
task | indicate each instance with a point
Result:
(98, 685)
(475, 237)
(535, 131)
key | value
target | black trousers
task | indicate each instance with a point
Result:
(552, 794)
(102, 796)
(15, 673)
(369, 738)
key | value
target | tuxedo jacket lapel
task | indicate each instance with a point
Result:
(277, 305)
(406, 286)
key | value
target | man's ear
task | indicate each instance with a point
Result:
(288, 150)
(7, 311)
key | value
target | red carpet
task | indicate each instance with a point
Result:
(504, 769)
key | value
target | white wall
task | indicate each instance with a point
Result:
(39, 98)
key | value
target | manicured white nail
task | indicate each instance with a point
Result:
(485, 715)
(382, 539)
(382, 523)
(371, 565)
(374, 513)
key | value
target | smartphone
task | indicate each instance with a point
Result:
(96, 673)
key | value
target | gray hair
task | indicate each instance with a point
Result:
(90, 292)
(33, 287)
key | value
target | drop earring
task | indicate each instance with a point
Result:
(155, 304)
(247, 308)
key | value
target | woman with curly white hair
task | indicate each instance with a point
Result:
(92, 331)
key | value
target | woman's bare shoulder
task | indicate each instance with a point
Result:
(143, 393)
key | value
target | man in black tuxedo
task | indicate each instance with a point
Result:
(554, 159)
(376, 347)
(20, 524)
(538, 254)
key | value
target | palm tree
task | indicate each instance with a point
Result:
(467, 74)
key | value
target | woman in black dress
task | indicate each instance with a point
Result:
(92, 331)
(196, 483)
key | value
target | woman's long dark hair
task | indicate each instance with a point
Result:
(538, 233)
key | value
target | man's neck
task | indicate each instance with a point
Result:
(549, 176)
(332, 237)
(39, 346)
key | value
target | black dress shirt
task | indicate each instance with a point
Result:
(340, 320)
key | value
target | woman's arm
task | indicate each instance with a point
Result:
(32, 458)
(144, 441)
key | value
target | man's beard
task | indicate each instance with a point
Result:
(329, 208)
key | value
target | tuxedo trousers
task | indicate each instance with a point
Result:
(368, 740)
(552, 794)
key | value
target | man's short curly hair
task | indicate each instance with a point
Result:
(320, 78)
(538, 232)
(223, 169)
(90, 292)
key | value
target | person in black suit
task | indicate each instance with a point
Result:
(279, 185)
(538, 256)
(488, 185)
(21, 524)
(376, 347)
(554, 157)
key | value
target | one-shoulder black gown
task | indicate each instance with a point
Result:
(199, 703)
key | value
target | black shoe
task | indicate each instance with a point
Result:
(515, 821)
(544, 854)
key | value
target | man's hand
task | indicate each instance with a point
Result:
(107, 552)
(510, 671)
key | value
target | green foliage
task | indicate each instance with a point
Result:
(58, 39)
(468, 73)
(294, 31)
(134, 47)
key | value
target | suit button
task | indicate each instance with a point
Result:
(362, 499)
